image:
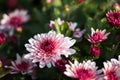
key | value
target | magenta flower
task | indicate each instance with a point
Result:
(16, 18)
(82, 71)
(21, 65)
(97, 36)
(2, 38)
(113, 17)
(47, 48)
(95, 51)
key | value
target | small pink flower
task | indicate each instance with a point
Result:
(47, 48)
(60, 65)
(113, 17)
(16, 18)
(2, 38)
(21, 65)
(116, 6)
(58, 21)
(77, 33)
(72, 25)
(82, 71)
(95, 51)
(97, 36)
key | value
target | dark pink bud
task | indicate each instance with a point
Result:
(2, 38)
(95, 51)
(11, 3)
(13, 39)
(60, 65)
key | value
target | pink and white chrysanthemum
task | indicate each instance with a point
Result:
(97, 36)
(111, 70)
(47, 48)
(21, 65)
(16, 18)
(82, 71)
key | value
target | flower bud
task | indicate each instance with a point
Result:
(60, 65)
(95, 51)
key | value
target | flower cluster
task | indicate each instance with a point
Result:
(61, 26)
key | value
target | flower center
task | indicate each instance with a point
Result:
(84, 74)
(23, 66)
(16, 21)
(111, 76)
(48, 46)
(116, 16)
(97, 36)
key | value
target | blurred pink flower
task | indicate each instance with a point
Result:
(82, 71)
(49, 1)
(2, 38)
(60, 65)
(21, 65)
(95, 51)
(97, 36)
(111, 70)
(116, 6)
(72, 25)
(58, 21)
(113, 17)
(16, 18)
(77, 33)
(47, 48)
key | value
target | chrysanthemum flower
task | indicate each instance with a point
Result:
(111, 70)
(113, 17)
(82, 71)
(97, 36)
(21, 65)
(16, 18)
(48, 47)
